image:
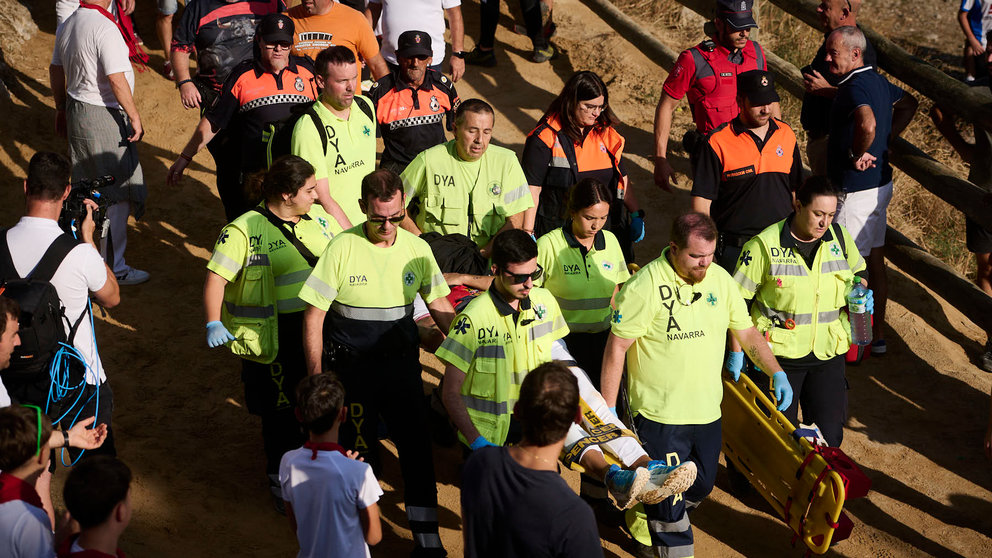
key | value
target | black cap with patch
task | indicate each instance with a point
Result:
(276, 28)
(737, 13)
(414, 43)
(758, 86)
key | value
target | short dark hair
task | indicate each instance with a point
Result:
(19, 435)
(818, 186)
(9, 309)
(477, 106)
(48, 175)
(94, 488)
(582, 86)
(513, 246)
(381, 184)
(549, 401)
(334, 55)
(692, 223)
(587, 193)
(319, 398)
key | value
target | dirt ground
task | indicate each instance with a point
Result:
(917, 415)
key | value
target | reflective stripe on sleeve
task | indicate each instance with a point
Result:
(320, 287)
(745, 281)
(516, 193)
(457, 349)
(226, 262)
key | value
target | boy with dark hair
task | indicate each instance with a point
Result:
(514, 502)
(97, 495)
(25, 530)
(330, 495)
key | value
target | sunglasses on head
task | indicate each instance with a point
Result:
(519, 278)
(37, 411)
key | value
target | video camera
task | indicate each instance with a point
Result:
(74, 207)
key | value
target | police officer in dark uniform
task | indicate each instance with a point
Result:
(747, 169)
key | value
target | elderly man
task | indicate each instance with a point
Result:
(466, 186)
(258, 92)
(707, 73)
(867, 112)
(821, 84)
(411, 102)
(93, 85)
(396, 17)
(747, 169)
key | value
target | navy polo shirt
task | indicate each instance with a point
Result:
(861, 87)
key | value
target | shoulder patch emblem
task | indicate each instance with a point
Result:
(408, 278)
(495, 189)
(462, 325)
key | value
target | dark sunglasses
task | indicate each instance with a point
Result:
(382, 220)
(519, 278)
(37, 411)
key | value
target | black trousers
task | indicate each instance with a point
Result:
(489, 10)
(270, 392)
(821, 391)
(386, 383)
(587, 349)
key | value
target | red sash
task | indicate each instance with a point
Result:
(135, 52)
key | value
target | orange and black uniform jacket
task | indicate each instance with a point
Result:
(253, 98)
(409, 119)
(749, 181)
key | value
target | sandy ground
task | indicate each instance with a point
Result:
(916, 416)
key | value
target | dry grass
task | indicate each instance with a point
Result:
(914, 211)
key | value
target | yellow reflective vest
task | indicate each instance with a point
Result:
(798, 308)
(496, 351)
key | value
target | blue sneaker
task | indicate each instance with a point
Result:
(665, 481)
(625, 485)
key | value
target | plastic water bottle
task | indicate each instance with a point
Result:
(859, 316)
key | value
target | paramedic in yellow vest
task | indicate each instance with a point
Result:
(250, 298)
(583, 268)
(671, 320)
(466, 186)
(359, 325)
(799, 272)
(347, 152)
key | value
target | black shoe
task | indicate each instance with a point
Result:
(641, 550)
(985, 360)
(479, 57)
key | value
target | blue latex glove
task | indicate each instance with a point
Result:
(637, 228)
(782, 389)
(532, 237)
(870, 302)
(735, 363)
(481, 442)
(614, 411)
(217, 334)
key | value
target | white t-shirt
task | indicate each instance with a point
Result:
(81, 272)
(89, 47)
(65, 8)
(4, 397)
(326, 495)
(25, 531)
(412, 15)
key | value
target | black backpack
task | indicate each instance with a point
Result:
(42, 313)
(278, 136)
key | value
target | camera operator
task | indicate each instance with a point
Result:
(81, 273)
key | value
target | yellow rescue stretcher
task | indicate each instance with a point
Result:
(805, 490)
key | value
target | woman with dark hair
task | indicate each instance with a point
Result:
(260, 262)
(584, 267)
(575, 139)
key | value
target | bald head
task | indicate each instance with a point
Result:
(838, 13)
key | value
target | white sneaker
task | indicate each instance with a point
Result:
(667, 481)
(625, 486)
(132, 277)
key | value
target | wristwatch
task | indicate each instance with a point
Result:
(459, 54)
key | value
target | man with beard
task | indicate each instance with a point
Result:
(673, 316)
(411, 102)
(707, 73)
(747, 169)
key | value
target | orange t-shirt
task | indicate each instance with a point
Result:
(340, 26)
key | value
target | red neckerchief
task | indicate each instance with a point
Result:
(65, 551)
(13, 488)
(124, 25)
(323, 446)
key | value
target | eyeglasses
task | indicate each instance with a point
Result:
(678, 294)
(278, 46)
(592, 108)
(378, 220)
(520, 278)
(37, 411)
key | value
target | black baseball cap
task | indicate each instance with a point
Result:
(414, 43)
(276, 28)
(737, 13)
(758, 86)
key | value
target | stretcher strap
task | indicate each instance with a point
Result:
(599, 433)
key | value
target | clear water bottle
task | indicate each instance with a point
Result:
(859, 316)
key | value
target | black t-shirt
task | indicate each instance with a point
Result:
(815, 116)
(511, 511)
